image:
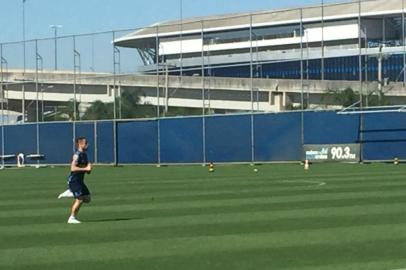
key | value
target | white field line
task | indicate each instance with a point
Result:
(313, 184)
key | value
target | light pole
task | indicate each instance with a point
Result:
(42, 99)
(322, 40)
(24, 65)
(181, 38)
(55, 28)
(258, 66)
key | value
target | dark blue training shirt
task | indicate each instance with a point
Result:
(81, 162)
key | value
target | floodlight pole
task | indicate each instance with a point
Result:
(380, 59)
(359, 55)
(55, 28)
(38, 59)
(166, 88)
(2, 106)
(24, 65)
(158, 98)
(301, 60)
(403, 43)
(361, 118)
(203, 98)
(301, 79)
(114, 100)
(257, 67)
(307, 66)
(114, 79)
(252, 96)
(322, 40)
(181, 38)
(76, 68)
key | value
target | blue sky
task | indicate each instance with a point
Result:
(83, 16)
(87, 16)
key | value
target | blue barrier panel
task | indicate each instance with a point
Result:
(384, 136)
(181, 140)
(105, 142)
(278, 137)
(330, 128)
(87, 130)
(137, 142)
(228, 138)
(56, 142)
(20, 139)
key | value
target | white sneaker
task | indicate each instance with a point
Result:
(73, 220)
(66, 194)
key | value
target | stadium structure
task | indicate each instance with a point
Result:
(329, 47)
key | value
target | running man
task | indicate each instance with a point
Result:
(79, 167)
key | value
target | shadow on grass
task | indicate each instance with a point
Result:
(114, 219)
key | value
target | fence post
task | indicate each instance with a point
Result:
(203, 98)
(158, 97)
(2, 105)
(252, 95)
(74, 93)
(302, 131)
(114, 102)
(95, 141)
(38, 59)
(361, 120)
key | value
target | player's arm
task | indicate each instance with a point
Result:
(75, 168)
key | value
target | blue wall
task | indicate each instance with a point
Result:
(181, 141)
(56, 142)
(384, 136)
(137, 142)
(20, 139)
(278, 137)
(105, 142)
(226, 138)
(330, 128)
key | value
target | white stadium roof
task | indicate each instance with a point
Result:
(263, 18)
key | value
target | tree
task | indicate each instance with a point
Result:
(346, 97)
(131, 107)
(99, 111)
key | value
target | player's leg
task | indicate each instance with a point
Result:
(82, 195)
(76, 188)
(77, 203)
(66, 194)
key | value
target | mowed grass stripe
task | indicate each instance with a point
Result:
(198, 174)
(170, 196)
(275, 187)
(241, 201)
(206, 244)
(314, 258)
(134, 213)
(196, 219)
(204, 229)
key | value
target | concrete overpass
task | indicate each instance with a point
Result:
(174, 91)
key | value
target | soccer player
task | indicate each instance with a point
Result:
(79, 167)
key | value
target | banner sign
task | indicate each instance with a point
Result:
(332, 152)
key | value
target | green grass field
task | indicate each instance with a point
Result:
(335, 216)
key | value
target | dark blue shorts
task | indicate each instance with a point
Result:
(79, 189)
